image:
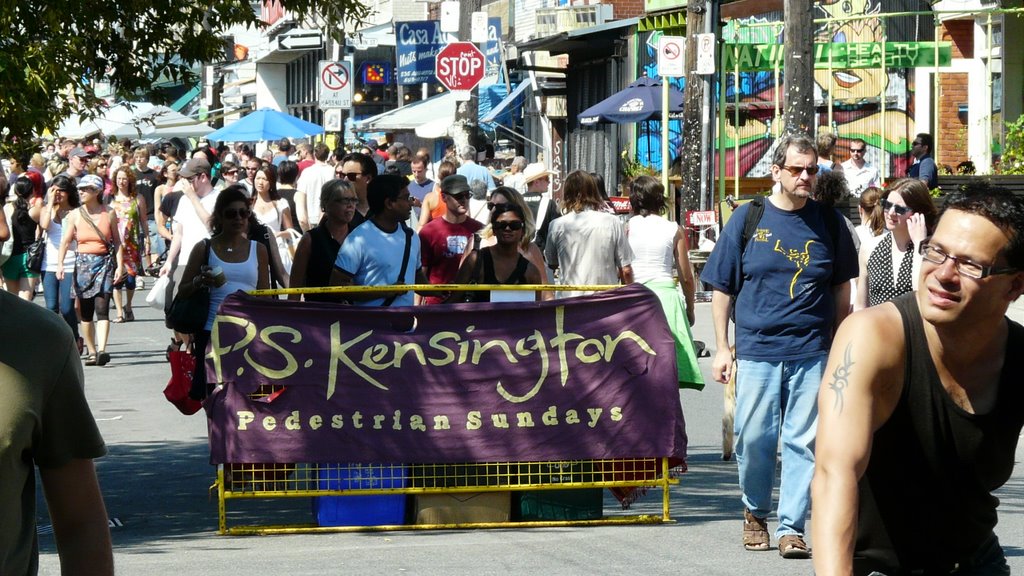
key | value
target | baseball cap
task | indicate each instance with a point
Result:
(78, 152)
(90, 181)
(454, 185)
(197, 165)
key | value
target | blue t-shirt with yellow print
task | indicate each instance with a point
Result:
(784, 309)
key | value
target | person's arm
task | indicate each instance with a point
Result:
(143, 220)
(161, 222)
(172, 252)
(69, 228)
(927, 172)
(626, 273)
(861, 384)
(46, 214)
(685, 272)
(79, 518)
(464, 276)
(861, 301)
(286, 221)
(721, 366)
(275, 260)
(262, 267)
(35, 211)
(297, 279)
(533, 277)
(917, 226)
(115, 239)
(300, 210)
(841, 296)
(429, 202)
(195, 274)
(5, 231)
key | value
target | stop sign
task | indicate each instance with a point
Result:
(460, 66)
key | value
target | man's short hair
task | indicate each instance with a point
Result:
(468, 153)
(860, 141)
(382, 188)
(797, 140)
(418, 160)
(321, 151)
(826, 143)
(367, 163)
(927, 140)
(1000, 207)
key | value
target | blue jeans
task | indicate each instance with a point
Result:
(777, 402)
(156, 242)
(58, 297)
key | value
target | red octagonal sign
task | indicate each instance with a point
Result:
(460, 66)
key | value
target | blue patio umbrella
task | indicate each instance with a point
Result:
(637, 102)
(265, 124)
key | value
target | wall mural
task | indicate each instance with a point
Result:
(856, 82)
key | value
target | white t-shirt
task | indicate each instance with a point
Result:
(859, 179)
(374, 257)
(588, 247)
(310, 182)
(193, 230)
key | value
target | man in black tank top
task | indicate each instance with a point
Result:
(921, 407)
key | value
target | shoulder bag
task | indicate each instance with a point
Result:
(405, 264)
(188, 315)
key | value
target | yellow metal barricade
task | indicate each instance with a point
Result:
(316, 480)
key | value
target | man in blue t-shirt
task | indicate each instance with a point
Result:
(373, 253)
(791, 287)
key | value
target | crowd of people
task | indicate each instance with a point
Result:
(852, 415)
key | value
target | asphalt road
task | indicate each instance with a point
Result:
(156, 479)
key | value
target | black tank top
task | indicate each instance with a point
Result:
(23, 228)
(321, 262)
(484, 274)
(927, 491)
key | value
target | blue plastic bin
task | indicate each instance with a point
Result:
(370, 510)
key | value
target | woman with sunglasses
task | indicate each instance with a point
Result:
(318, 248)
(502, 262)
(243, 265)
(62, 200)
(169, 174)
(889, 264)
(100, 252)
(501, 197)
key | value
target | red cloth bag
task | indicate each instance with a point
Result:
(176, 392)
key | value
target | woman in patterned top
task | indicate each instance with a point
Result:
(130, 207)
(890, 262)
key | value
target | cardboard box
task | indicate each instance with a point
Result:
(463, 508)
(369, 510)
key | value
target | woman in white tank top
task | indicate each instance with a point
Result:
(245, 266)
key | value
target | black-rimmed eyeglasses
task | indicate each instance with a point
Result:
(965, 267)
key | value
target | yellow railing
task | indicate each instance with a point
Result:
(516, 480)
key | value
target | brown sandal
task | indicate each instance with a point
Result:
(755, 532)
(793, 546)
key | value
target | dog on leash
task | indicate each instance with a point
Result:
(729, 412)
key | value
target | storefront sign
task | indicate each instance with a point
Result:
(417, 43)
(581, 378)
(755, 57)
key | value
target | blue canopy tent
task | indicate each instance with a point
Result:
(263, 125)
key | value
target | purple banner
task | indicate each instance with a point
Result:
(581, 378)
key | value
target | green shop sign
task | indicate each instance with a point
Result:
(758, 57)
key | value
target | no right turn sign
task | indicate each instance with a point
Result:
(335, 84)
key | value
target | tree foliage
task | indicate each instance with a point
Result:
(52, 52)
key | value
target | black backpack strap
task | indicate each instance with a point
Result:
(405, 263)
(753, 218)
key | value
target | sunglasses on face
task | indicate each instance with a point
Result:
(459, 197)
(509, 225)
(797, 170)
(856, 150)
(232, 213)
(231, 172)
(493, 205)
(899, 210)
(352, 176)
(345, 200)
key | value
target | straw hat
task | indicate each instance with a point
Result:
(534, 171)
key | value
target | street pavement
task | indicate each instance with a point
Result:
(156, 481)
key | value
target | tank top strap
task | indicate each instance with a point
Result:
(918, 365)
